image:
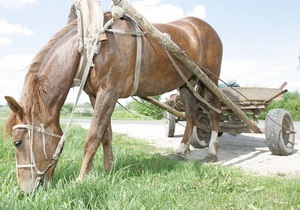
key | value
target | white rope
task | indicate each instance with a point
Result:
(44, 144)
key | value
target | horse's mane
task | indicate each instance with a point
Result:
(34, 85)
(34, 82)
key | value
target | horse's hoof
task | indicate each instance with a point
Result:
(79, 179)
(177, 156)
(210, 159)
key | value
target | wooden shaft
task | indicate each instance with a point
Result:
(283, 85)
(164, 106)
(162, 38)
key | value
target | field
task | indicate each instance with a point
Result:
(143, 179)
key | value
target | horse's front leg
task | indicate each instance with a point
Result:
(106, 142)
(108, 157)
(99, 130)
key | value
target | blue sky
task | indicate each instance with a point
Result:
(261, 38)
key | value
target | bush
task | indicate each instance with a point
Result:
(290, 102)
(66, 109)
(146, 108)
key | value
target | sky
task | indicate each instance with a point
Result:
(261, 38)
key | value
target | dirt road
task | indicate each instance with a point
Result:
(247, 151)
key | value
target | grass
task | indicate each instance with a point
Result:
(4, 111)
(144, 179)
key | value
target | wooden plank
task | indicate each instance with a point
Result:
(245, 108)
(237, 94)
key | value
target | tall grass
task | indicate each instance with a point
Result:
(144, 179)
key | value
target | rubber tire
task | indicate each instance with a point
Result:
(199, 138)
(278, 141)
(169, 124)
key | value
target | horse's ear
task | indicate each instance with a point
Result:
(15, 106)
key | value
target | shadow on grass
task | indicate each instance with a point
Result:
(127, 165)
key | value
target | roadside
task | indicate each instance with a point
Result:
(247, 151)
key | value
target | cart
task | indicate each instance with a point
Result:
(279, 128)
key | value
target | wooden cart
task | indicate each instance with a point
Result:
(252, 101)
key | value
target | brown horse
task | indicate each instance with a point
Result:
(35, 119)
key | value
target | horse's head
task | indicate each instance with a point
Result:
(34, 122)
(35, 138)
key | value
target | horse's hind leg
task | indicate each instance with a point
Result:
(191, 113)
(215, 121)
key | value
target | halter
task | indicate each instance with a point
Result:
(32, 165)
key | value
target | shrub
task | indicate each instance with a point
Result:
(146, 108)
(290, 102)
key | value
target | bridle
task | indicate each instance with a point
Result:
(32, 165)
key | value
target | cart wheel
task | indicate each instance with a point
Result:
(278, 124)
(200, 138)
(169, 124)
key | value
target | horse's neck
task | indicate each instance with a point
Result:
(60, 71)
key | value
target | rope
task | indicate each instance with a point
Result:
(124, 32)
(128, 110)
(148, 108)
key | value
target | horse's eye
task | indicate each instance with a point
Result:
(17, 143)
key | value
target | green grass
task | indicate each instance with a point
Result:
(144, 179)
(132, 115)
(4, 111)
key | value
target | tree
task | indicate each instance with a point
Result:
(66, 109)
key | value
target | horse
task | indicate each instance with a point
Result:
(34, 121)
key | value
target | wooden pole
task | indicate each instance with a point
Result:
(171, 46)
(164, 106)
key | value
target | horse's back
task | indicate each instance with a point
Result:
(208, 42)
(202, 42)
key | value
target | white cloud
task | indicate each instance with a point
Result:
(258, 73)
(15, 62)
(9, 29)
(5, 41)
(157, 12)
(17, 3)
(198, 11)
(12, 70)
